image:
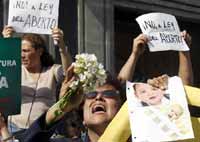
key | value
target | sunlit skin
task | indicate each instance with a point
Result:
(98, 120)
(31, 56)
(148, 94)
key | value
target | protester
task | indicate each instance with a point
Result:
(99, 108)
(40, 76)
(185, 67)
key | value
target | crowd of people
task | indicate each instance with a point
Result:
(41, 79)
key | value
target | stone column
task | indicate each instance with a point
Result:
(95, 30)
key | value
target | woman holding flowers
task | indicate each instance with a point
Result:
(101, 101)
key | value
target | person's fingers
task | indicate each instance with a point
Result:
(139, 44)
(57, 34)
(186, 36)
(159, 82)
(77, 98)
(69, 72)
(156, 81)
(152, 82)
(69, 78)
(188, 39)
(65, 87)
(8, 31)
(183, 33)
(141, 39)
(57, 31)
(163, 81)
(149, 81)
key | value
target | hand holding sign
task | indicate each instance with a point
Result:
(159, 82)
(162, 31)
(58, 38)
(139, 44)
(187, 38)
(57, 35)
(8, 31)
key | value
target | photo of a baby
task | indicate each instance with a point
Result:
(159, 108)
(150, 95)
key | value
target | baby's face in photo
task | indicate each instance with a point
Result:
(148, 94)
(175, 112)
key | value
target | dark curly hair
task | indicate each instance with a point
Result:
(112, 80)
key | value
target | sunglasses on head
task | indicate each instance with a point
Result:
(106, 94)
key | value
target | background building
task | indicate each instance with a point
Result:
(107, 28)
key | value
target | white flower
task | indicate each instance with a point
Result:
(90, 73)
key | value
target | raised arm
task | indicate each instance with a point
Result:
(67, 102)
(185, 65)
(44, 127)
(57, 35)
(8, 31)
(127, 71)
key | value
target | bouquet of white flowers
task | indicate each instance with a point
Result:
(89, 72)
(89, 75)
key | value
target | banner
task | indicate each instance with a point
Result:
(162, 31)
(158, 115)
(33, 16)
(10, 76)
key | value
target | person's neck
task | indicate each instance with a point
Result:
(94, 135)
(36, 69)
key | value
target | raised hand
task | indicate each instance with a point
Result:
(58, 37)
(186, 36)
(70, 77)
(159, 82)
(8, 31)
(69, 100)
(139, 44)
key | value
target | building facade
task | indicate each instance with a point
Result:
(108, 27)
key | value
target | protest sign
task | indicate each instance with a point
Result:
(158, 115)
(10, 76)
(162, 31)
(33, 16)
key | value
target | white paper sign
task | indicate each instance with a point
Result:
(157, 115)
(33, 16)
(162, 31)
